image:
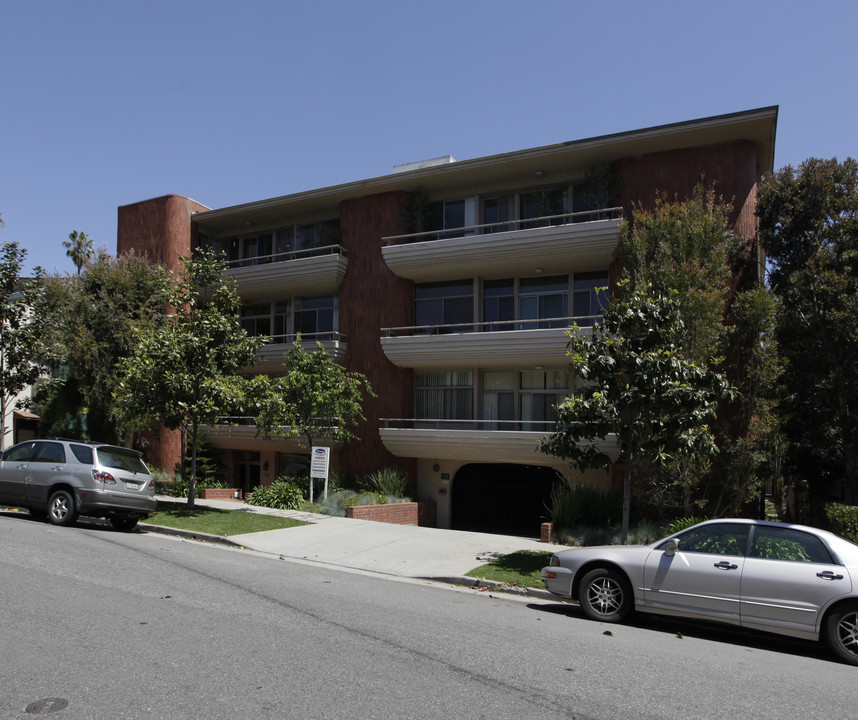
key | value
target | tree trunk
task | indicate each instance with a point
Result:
(627, 489)
(192, 480)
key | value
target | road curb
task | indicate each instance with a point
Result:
(457, 580)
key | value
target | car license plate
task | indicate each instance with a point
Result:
(133, 485)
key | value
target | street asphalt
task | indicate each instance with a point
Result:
(399, 550)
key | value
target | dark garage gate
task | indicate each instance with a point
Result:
(501, 498)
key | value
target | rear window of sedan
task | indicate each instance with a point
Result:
(120, 459)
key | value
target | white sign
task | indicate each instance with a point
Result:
(319, 461)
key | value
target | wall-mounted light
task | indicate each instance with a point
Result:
(539, 367)
(436, 467)
(538, 270)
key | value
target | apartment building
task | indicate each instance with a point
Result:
(451, 286)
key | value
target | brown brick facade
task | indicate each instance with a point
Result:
(371, 297)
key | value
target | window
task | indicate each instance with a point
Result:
(256, 319)
(589, 297)
(776, 543)
(276, 245)
(316, 317)
(50, 452)
(541, 392)
(499, 399)
(540, 204)
(444, 394)
(498, 210)
(440, 305)
(448, 215)
(82, 453)
(545, 299)
(21, 453)
(498, 304)
(717, 539)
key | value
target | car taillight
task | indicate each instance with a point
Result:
(152, 484)
(104, 477)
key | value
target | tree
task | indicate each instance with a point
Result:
(808, 219)
(314, 397)
(640, 388)
(79, 249)
(685, 249)
(85, 326)
(184, 373)
(18, 368)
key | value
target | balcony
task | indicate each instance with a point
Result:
(318, 271)
(489, 345)
(496, 441)
(570, 242)
(240, 433)
(271, 356)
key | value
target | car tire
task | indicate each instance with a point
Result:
(841, 632)
(61, 508)
(124, 524)
(605, 595)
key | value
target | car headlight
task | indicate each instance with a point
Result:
(555, 561)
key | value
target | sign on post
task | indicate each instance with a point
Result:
(319, 462)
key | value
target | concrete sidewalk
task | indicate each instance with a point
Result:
(401, 550)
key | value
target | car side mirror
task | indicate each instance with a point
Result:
(670, 547)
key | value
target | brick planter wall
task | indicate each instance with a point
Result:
(546, 530)
(412, 513)
(220, 494)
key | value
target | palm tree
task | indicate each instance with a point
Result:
(78, 248)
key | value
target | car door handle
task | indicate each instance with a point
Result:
(724, 565)
(828, 575)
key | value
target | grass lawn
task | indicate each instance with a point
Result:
(215, 521)
(520, 568)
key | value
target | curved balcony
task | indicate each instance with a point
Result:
(570, 242)
(316, 271)
(271, 356)
(491, 345)
(240, 433)
(513, 441)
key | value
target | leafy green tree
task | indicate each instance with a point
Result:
(18, 367)
(638, 387)
(314, 397)
(184, 373)
(686, 249)
(86, 325)
(79, 249)
(808, 220)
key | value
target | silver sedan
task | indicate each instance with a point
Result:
(787, 579)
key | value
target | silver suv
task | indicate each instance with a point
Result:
(67, 478)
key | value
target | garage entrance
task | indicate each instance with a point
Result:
(501, 498)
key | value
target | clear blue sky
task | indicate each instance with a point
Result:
(104, 103)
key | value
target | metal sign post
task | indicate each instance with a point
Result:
(319, 462)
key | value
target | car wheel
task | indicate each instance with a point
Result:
(61, 509)
(605, 595)
(124, 523)
(841, 632)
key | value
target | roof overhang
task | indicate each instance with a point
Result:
(510, 169)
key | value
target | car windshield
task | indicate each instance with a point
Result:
(120, 459)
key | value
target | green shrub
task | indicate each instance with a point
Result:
(682, 523)
(584, 506)
(389, 481)
(280, 495)
(842, 520)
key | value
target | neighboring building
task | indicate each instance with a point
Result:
(450, 285)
